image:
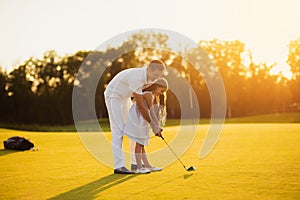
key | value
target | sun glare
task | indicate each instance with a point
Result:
(265, 31)
(283, 70)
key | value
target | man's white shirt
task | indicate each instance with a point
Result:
(127, 82)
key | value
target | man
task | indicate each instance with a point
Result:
(118, 93)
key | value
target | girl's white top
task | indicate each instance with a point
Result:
(136, 127)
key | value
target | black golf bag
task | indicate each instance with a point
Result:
(18, 143)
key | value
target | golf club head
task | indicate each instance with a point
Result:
(191, 168)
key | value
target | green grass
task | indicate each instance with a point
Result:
(90, 126)
(267, 118)
(250, 161)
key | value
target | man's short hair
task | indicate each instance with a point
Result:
(157, 65)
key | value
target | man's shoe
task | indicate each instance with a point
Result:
(123, 170)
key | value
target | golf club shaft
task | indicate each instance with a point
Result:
(173, 151)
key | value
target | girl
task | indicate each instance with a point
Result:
(138, 129)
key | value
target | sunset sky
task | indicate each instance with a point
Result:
(29, 28)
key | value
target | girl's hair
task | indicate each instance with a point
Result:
(163, 108)
(161, 82)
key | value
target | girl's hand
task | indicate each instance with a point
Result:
(159, 134)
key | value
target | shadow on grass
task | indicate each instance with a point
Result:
(93, 189)
(4, 152)
(186, 176)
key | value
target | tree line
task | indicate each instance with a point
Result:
(40, 90)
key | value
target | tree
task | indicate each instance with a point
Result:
(3, 95)
(227, 56)
(294, 63)
(294, 57)
(40, 90)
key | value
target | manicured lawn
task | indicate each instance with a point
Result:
(293, 117)
(250, 161)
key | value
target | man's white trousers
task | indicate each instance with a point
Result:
(117, 111)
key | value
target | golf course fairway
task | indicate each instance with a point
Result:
(250, 161)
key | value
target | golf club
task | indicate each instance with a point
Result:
(191, 168)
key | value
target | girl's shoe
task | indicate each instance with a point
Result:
(155, 169)
(143, 171)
